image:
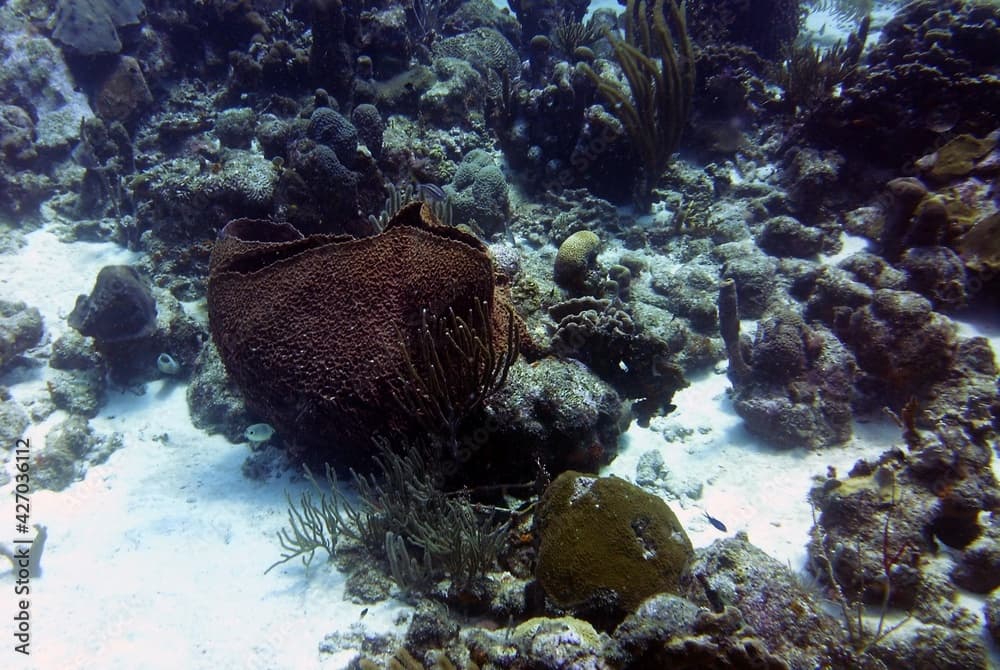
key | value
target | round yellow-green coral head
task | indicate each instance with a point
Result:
(574, 258)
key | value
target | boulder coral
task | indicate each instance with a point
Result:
(324, 334)
(607, 545)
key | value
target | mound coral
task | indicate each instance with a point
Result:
(327, 336)
(607, 545)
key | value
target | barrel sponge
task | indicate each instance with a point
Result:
(311, 328)
(574, 257)
(602, 536)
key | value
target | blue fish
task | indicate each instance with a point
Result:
(715, 522)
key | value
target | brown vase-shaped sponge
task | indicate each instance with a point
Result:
(315, 330)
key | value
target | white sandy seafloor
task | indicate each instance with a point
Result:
(156, 558)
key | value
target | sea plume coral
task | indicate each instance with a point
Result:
(660, 76)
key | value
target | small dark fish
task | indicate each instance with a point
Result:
(715, 522)
(431, 192)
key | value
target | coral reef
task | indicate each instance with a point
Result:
(877, 526)
(930, 56)
(767, 26)
(539, 17)
(184, 129)
(661, 83)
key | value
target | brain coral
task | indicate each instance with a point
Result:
(313, 329)
(574, 258)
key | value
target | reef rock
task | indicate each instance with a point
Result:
(20, 329)
(119, 308)
(554, 411)
(124, 94)
(790, 621)
(17, 135)
(799, 390)
(901, 344)
(89, 27)
(637, 362)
